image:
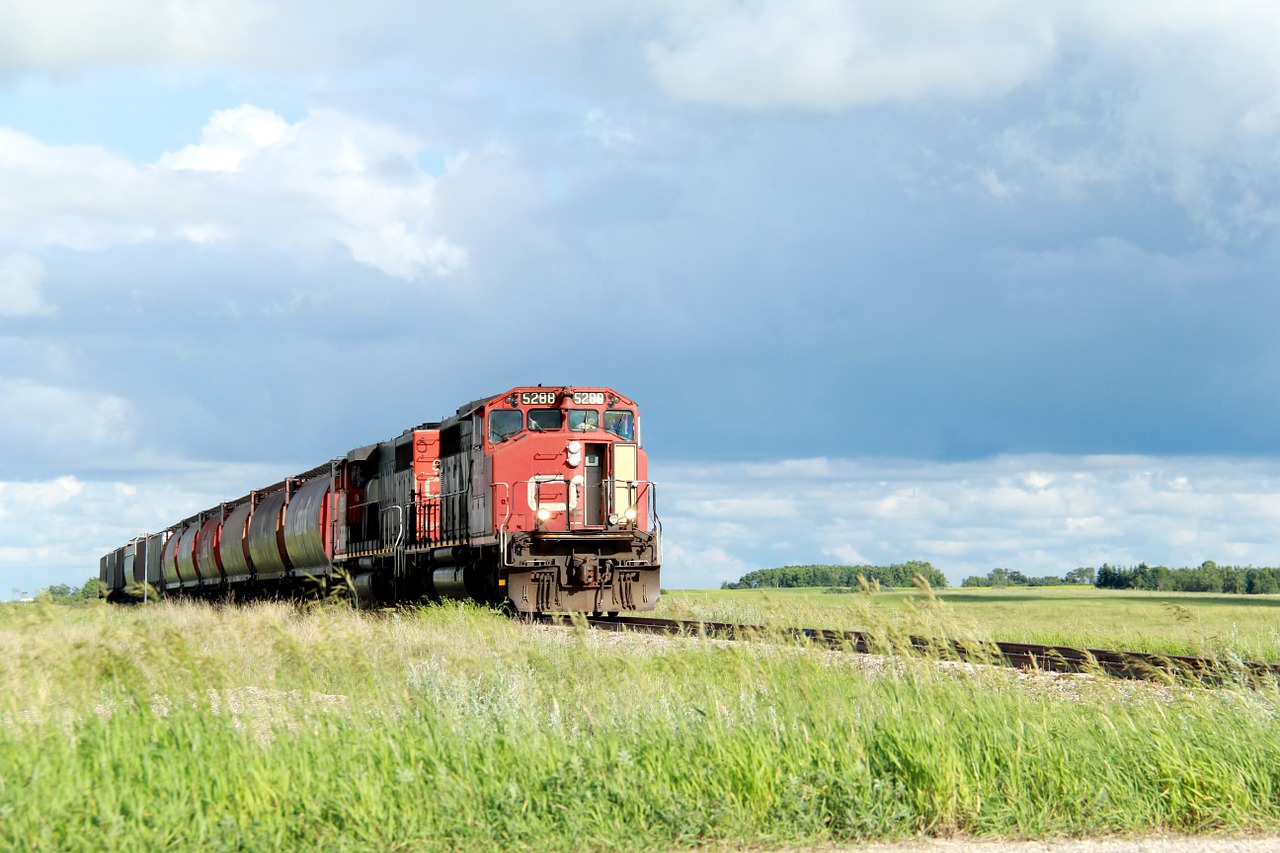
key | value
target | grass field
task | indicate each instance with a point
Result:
(1243, 626)
(270, 727)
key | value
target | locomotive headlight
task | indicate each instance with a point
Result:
(613, 518)
(574, 456)
(575, 446)
(544, 514)
(631, 513)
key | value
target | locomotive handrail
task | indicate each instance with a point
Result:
(503, 533)
(506, 517)
(362, 505)
(399, 524)
(647, 491)
(657, 522)
(538, 481)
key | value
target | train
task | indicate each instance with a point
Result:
(536, 499)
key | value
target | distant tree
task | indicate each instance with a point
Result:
(1263, 581)
(1009, 577)
(1206, 577)
(1081, 575)
(1114, 577)
(61, 593)
(896, 575)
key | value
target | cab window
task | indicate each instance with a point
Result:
(503, 424)
(584, 420)
(544, 420)
(621, 423)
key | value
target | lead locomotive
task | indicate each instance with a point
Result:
(538, 498)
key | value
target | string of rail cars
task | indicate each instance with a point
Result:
(1148, 666)
(537, 498)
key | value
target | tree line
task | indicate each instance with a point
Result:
(897, 575)
(1207, 577)
(61, 593)
(1013, 577)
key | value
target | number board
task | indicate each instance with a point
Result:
(550, 398)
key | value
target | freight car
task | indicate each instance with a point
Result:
(537, 498)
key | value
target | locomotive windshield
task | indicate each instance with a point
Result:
(504, 423)
(584, 420)
(542, 420)
(620, 423)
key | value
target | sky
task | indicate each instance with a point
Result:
(989, 284)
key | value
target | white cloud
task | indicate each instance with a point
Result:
(1039, 514)
(229, 138)
(837, 54)
(743, 508)
(54, 531)
(686, 567)
(833, 55)
(846, 554)
(62, 422)
(20, 280)
(65, 35)
(253, 178)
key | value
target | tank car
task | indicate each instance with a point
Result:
(537, 498)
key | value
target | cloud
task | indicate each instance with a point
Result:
(252, 179)
(841, 54)
(62, 38)
(1040, 514)
(54, 530)
(831, 55)
(20, 279)
(64, 422)
(607, 132)
(65, 35)
(1181, 96)
(230, 138)
(686, 567)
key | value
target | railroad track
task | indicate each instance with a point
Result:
(1030, 656)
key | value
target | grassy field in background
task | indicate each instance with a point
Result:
(1244, 626)
(272, 727)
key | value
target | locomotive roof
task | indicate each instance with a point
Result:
(471, 407)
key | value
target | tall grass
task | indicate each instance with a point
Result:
(268, 727)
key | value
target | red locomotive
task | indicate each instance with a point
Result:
(538, 497)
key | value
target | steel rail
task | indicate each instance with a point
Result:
(1149, 666)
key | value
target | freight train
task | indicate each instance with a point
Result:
(537, 499)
